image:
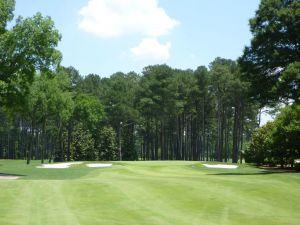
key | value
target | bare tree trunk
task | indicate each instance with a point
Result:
(237, 132)
(161, 141)
(259, 116)
(44, 145)
(156, 141)
(226, 139)
(241, 135)
(30, 149)
(220, 135)
(70, 128)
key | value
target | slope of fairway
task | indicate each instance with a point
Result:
(162, 192)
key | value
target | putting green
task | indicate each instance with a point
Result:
(158, 192)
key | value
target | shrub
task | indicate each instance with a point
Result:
(106, 145)
(82, 147)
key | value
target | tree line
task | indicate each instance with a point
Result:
(52, 112)
(163, 113)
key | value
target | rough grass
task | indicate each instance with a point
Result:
(162, 192)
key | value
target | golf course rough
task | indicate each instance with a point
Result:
(157, 192)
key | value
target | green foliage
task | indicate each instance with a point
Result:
(289, 83)
(29, 46)
(275, 45)
(119, 96)
(73, 75)
(286, 135)
(93, 84)
(128, 141)
(118, 93)
(46, 99)
(6, 13)
(164, 113)
(260, 150)
(88, 110)
(106, 145)
(277, 142)
(154, 96)
(82, 147)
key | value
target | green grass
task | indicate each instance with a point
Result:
(162, 192)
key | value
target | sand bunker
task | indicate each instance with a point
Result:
(8, 177)
(98, 165)
(68, 164)
(222, 166)
(58, 165)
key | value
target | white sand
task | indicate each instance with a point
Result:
(222, 166)
(98, 165)
(58, 165)
(8, 177)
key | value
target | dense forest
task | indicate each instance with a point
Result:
(51, 112)
(163, 113)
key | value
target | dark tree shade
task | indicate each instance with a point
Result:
(275, 44)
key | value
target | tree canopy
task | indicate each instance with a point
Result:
(53, 112)
(277, 142)
(28, 47)
(274, 47)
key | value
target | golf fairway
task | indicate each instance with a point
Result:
(158, 192)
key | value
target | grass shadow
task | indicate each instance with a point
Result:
(243, 174)
(11, 174)
(264, 172)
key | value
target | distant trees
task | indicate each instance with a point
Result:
(56, 122)
(83, 145)
(164, 113)
(192, 115)
(106, 145)
(52, 112)
(118, 96)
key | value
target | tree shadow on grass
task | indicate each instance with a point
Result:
(11, 174)
(263, 172)
(242, 174)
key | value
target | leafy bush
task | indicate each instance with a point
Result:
(259, 150)
(106, 145)
(277, 142)
(82, 147)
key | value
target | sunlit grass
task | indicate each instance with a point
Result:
(158, 192)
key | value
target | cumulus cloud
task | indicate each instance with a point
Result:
(150, 48)
(115, 18)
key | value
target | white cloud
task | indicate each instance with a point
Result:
(150, 48)
(115, 18)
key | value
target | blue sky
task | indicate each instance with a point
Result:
(107, 36)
